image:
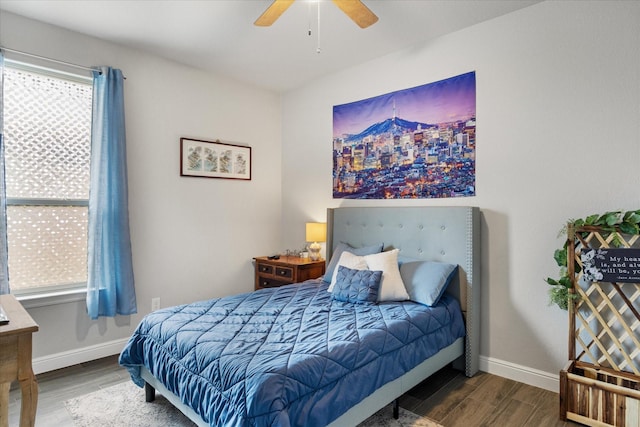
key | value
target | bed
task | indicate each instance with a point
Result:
(257, 381)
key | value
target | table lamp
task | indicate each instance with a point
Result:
(316, 232)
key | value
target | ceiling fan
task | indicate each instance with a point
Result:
(354, 9)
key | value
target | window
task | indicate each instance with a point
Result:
(47, 131)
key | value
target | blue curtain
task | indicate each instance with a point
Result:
(110, 284)
(4, 257)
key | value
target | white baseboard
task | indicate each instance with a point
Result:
(76, 356)
(523, 374)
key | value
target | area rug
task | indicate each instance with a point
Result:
(124, 405)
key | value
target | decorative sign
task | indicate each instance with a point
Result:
(611, 265)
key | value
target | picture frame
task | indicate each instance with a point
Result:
(214, 159)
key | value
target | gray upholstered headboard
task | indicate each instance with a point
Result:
(445, 234)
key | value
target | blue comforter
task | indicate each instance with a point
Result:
(288, 356)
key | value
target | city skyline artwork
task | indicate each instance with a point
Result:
(412, 143)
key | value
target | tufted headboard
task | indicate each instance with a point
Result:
(445, 234)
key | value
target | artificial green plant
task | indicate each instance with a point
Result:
(616, 221)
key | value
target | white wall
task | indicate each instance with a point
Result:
(558, 90)
(192, 238)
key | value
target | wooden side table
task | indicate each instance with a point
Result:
(286, 270)
(15, 362)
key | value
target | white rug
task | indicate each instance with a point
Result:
(124, 405)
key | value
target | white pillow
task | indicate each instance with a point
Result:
(349, 260)
(391, 287)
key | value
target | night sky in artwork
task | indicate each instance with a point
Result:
(444, 101)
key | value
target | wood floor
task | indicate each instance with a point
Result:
(448, 397)
(454, 400)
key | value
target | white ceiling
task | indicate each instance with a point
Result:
(219, 35)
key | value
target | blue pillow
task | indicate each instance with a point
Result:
(426, 281)
(335, 258)
(356, 286)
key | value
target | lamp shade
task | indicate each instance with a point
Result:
(316, 232)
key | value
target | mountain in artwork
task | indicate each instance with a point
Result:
(392, 125)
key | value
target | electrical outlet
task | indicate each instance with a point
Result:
(155, 304)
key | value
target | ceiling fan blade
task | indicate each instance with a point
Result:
(273, 12)
(357, 11)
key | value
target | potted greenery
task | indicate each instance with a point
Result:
(625, 222)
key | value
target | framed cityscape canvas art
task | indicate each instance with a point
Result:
(413, 143)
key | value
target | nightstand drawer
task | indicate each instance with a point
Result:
(266, 269)
(284, 272)
(271, 283)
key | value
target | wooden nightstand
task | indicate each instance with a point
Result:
(286, 270)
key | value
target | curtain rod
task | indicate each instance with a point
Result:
(70, 64)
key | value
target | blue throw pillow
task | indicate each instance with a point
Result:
(335, 258)
(426, 281)
(356, 286)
